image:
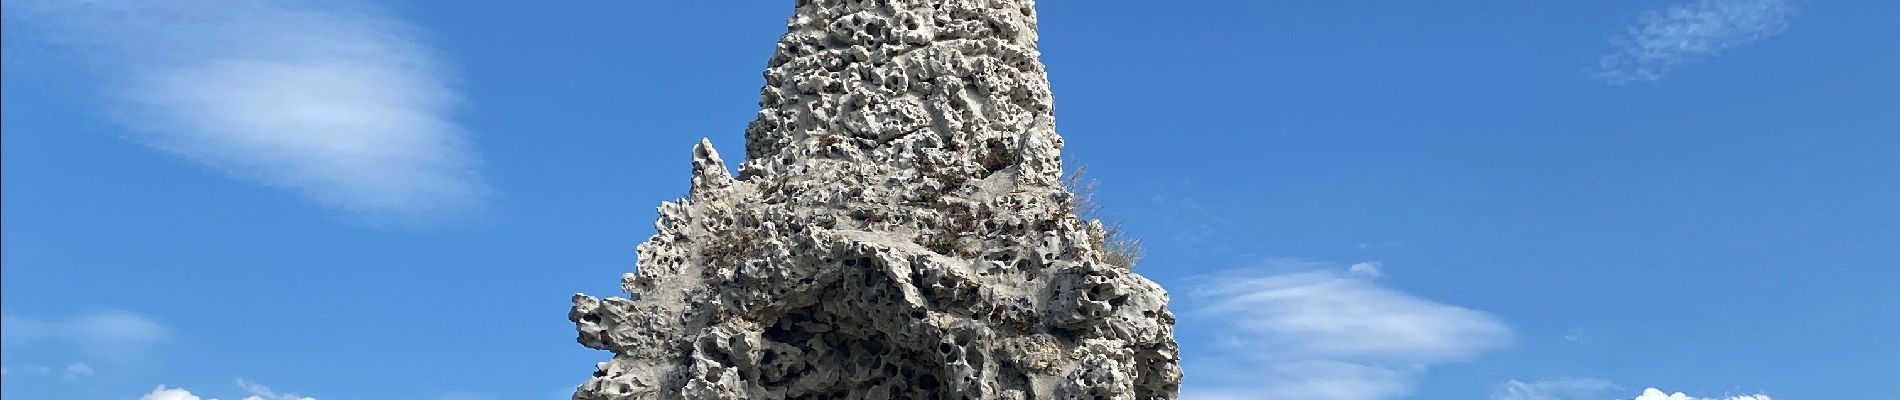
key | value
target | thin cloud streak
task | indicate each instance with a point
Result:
(1556, 389)
(1314, 331)
(337, 100)
(107, 332)
(1684, 33)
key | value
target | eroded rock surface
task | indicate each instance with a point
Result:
(899, 231)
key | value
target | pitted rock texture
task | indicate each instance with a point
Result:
(899, 231)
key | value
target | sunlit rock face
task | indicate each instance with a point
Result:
(898, 231)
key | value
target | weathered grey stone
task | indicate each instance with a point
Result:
(898, 231)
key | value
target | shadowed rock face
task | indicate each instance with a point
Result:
(899, 231)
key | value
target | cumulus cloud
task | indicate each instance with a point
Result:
(105, 332)
(256, 392)
(1556, 389)
(1666, 38)
(1315, 332)
(164, 393)
(1658, 394)
(337, 100)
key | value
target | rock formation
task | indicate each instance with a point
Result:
(899, 230)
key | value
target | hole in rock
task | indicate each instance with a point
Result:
(870, 338)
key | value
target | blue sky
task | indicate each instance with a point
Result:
(1482, 199)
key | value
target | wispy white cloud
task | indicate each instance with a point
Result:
(256, 392)
(1313, 331)
(107, 332)
(1666, 38)
(1366, 269)
(1556, 389)
(260, 392)
(336, 99)
(78, 370)
(72, 372)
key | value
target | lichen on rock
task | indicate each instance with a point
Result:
(899, 230)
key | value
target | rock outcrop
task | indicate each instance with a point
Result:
(899, 230)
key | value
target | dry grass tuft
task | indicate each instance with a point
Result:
(1123, 248)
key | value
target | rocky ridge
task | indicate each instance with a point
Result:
(899, 230)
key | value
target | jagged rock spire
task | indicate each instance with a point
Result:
(899, 231)
(951, 86)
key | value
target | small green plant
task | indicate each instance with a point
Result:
(1123, 249)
